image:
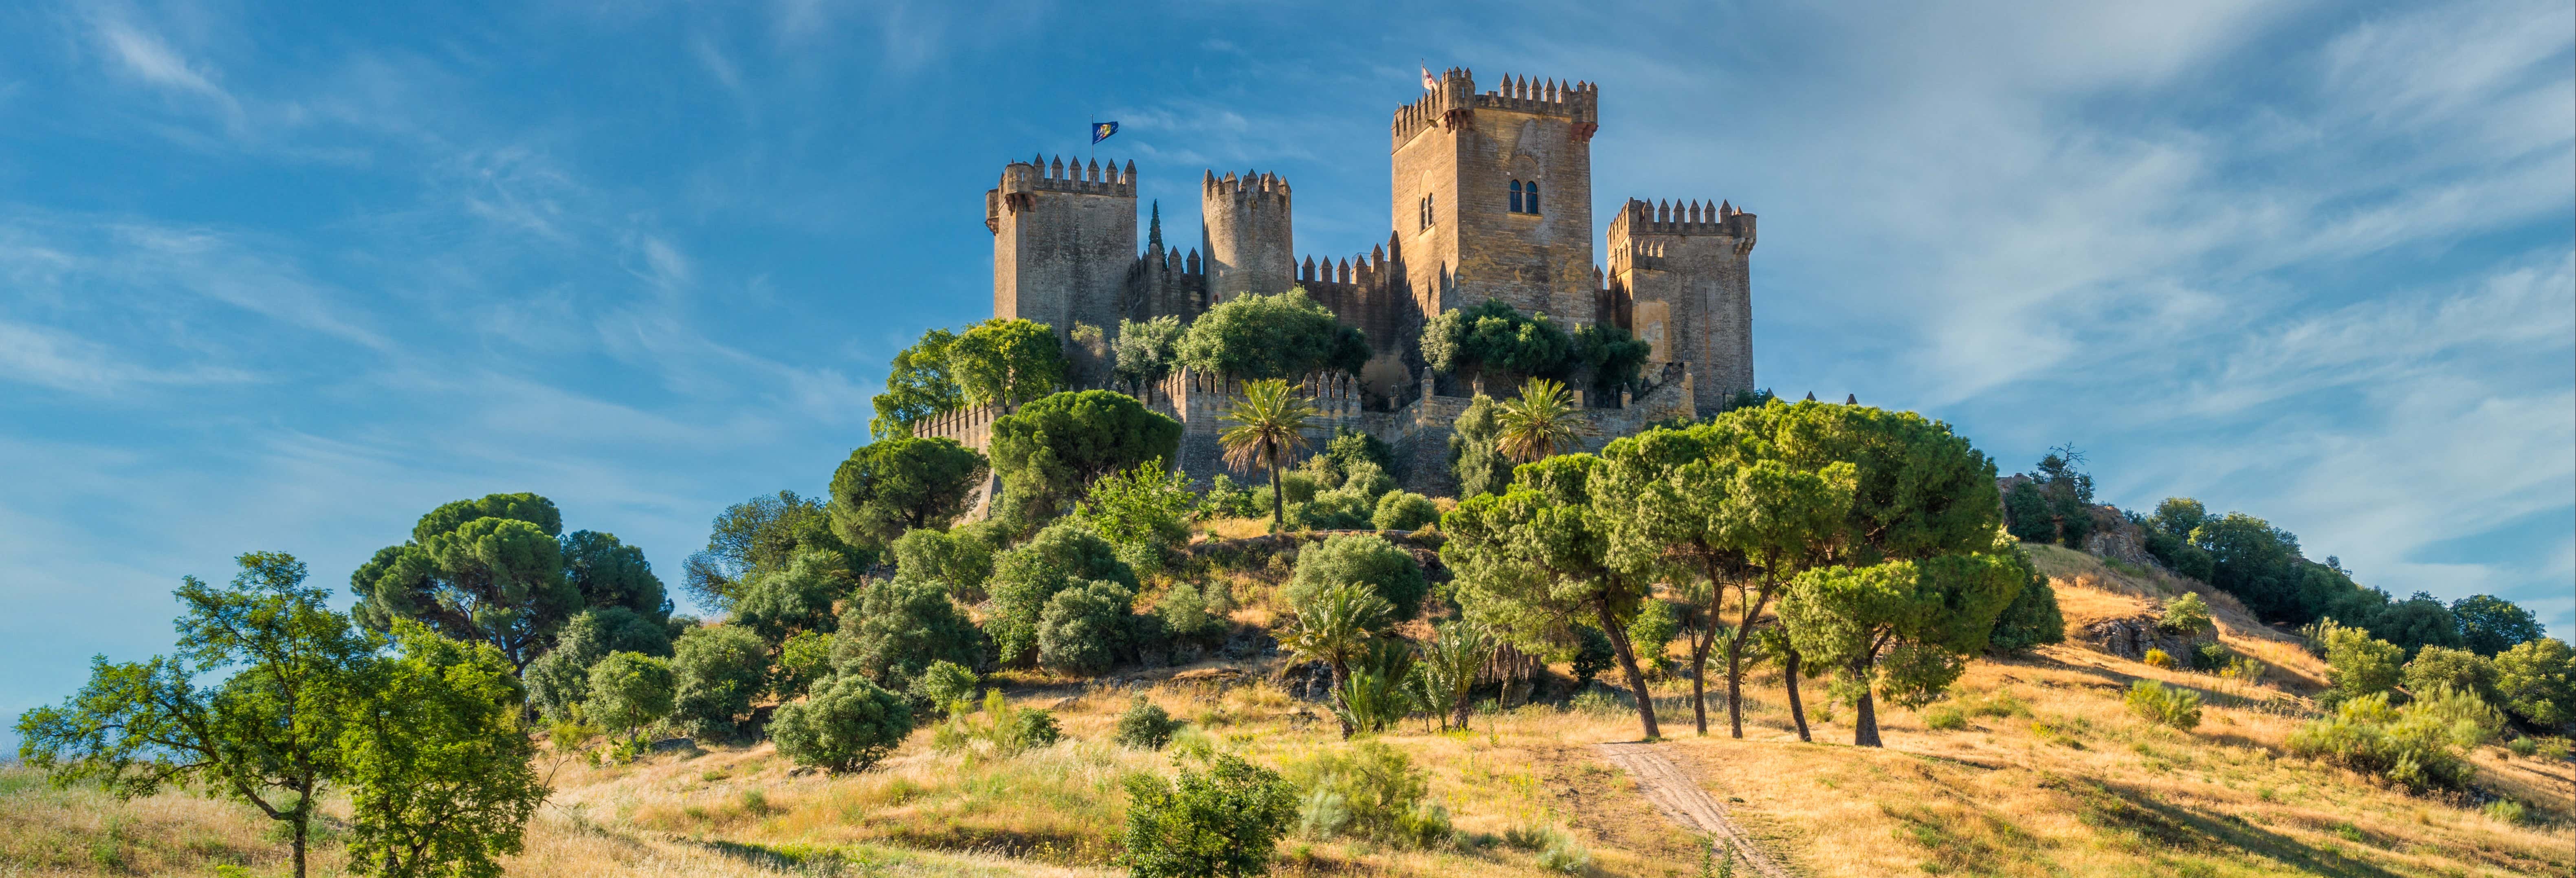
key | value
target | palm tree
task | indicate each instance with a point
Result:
(1539, 424)
(1269, 425)
(1450, 662)
(1334, 627)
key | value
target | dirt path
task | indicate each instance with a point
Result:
(1686, 804)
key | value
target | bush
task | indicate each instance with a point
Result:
(846, 727)
(1945, 717)
(2471, 721)
(1473, 458)
(2165, 705)
(944, 683)
(1367, 481)
(2438, 667)
(2031, 620)
(1186, 615)
(1369, 790)
(803, 660)
(1145, 726)
(2537, 682)
(1349, 448)
(2188, 614)
(2157, 658)
(629, 691)
(1225, 821)
(899, 629)
(718, 670)
(1049, 451)
(559, 681)
(2506, 811)
(959, 559)
(2358, 664)
(1592, 654)
(1404, 510)
(1337, 509)
(1064, 555)
(2411, 747)
(1367, 559)
(1084, 630)
(1144, 511)
(2212, 656)
(1003, 730)
(1225, 499)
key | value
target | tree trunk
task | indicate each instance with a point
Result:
(1865, 718)
(1735, 659)
(301, 824)
(1344, 714)
(1278, 504)
(1797, 710)
(1627, 654)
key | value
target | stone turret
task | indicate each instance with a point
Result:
(1249, 245)
(1683, 272)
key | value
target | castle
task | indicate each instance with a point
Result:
(1490, 198)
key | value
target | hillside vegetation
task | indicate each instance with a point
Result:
(2044, 774)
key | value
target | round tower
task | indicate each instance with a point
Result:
(1248, 244)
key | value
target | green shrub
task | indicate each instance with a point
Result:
(1337, 509)
(1367, 559)
(2031, 620)
(2523, 747)
(2411, 747)
(2506, 810)
(1945, 717)
(1224, 821)
(1651, 635)
(1186, 615)
(1064, 555)
(2357, 663)
(2212, 656)
(1003, 730)
(1564, 854)
(959, 559)
(2157, 658)
(2537, 681)
(1404, 510)
(1592, 654)
(1145, 726)
(1368, 790)
(2165, 705)
(847, 726)
(717, 670)
(2438, 667)
(898, 629)
(944, 683)
(1035, 729)
(629, 691)
(2472, 722)
(2188, 614)
(1084, 629)
(1225, 499)
(805, 659)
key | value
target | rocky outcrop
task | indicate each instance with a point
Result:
(2114, 536)
(2130, 637)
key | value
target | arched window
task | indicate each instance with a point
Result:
(1516, 196)
(1533, 197)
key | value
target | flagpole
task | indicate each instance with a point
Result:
(1092, 130)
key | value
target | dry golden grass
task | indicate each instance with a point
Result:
(2050, 777)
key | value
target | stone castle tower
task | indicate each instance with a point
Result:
(1490, 197)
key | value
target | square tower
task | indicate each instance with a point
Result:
(1064, 241)
(1684, 272)
(1493, 195)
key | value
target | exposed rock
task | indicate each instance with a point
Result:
(2130, 637)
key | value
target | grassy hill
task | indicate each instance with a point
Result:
(2039, 771)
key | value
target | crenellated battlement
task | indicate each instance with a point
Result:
(1455, 101)
(1265, 186)
(1680, 218)
(1056, 175)
(1579, 101)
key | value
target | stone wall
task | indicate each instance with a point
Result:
(1246, 233)
(1682, 273)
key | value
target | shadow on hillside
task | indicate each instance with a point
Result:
(2109, 806)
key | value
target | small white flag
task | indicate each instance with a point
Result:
(1428, 83)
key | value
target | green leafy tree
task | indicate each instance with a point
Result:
(1475, 454)
(1050, 451)
(2537, 681)
(806, 658)
(1221, 823)
(2187, 614)
(609, 574)
(2031, 620)
(1006, 362)
(495, 577)
(2055, 504)
(1257, 337)
(437, 762)
(1349, 448)
(2358, 664)
(2417, 622)
(1367, 559)
(1084, 628)
(960, 559)
(1144, 511)
(715, 673)
(267, 735)
(918, 387)
(1495, 340)
(894, 485)
(1404, 510)
(1269, 426)
(1652, 633)
(1024, 578)
(846, 727)
(944, 683)
(1543, 422)
(559, 681)
(1144, 725)
(1739, 505)
(1146, 350)
(1607, 358)
(898, 630)
(2490, 625)
(1534, 561)
(629, 691)
(1336, 626)
(799, 598)
(1902, 628)
(761, 536)
(2441, 667)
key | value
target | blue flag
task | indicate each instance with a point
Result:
(1101, 130)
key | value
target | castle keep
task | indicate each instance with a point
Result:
(1490, 197)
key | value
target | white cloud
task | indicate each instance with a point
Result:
(51, 358)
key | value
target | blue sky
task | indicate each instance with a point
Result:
(285, 278)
